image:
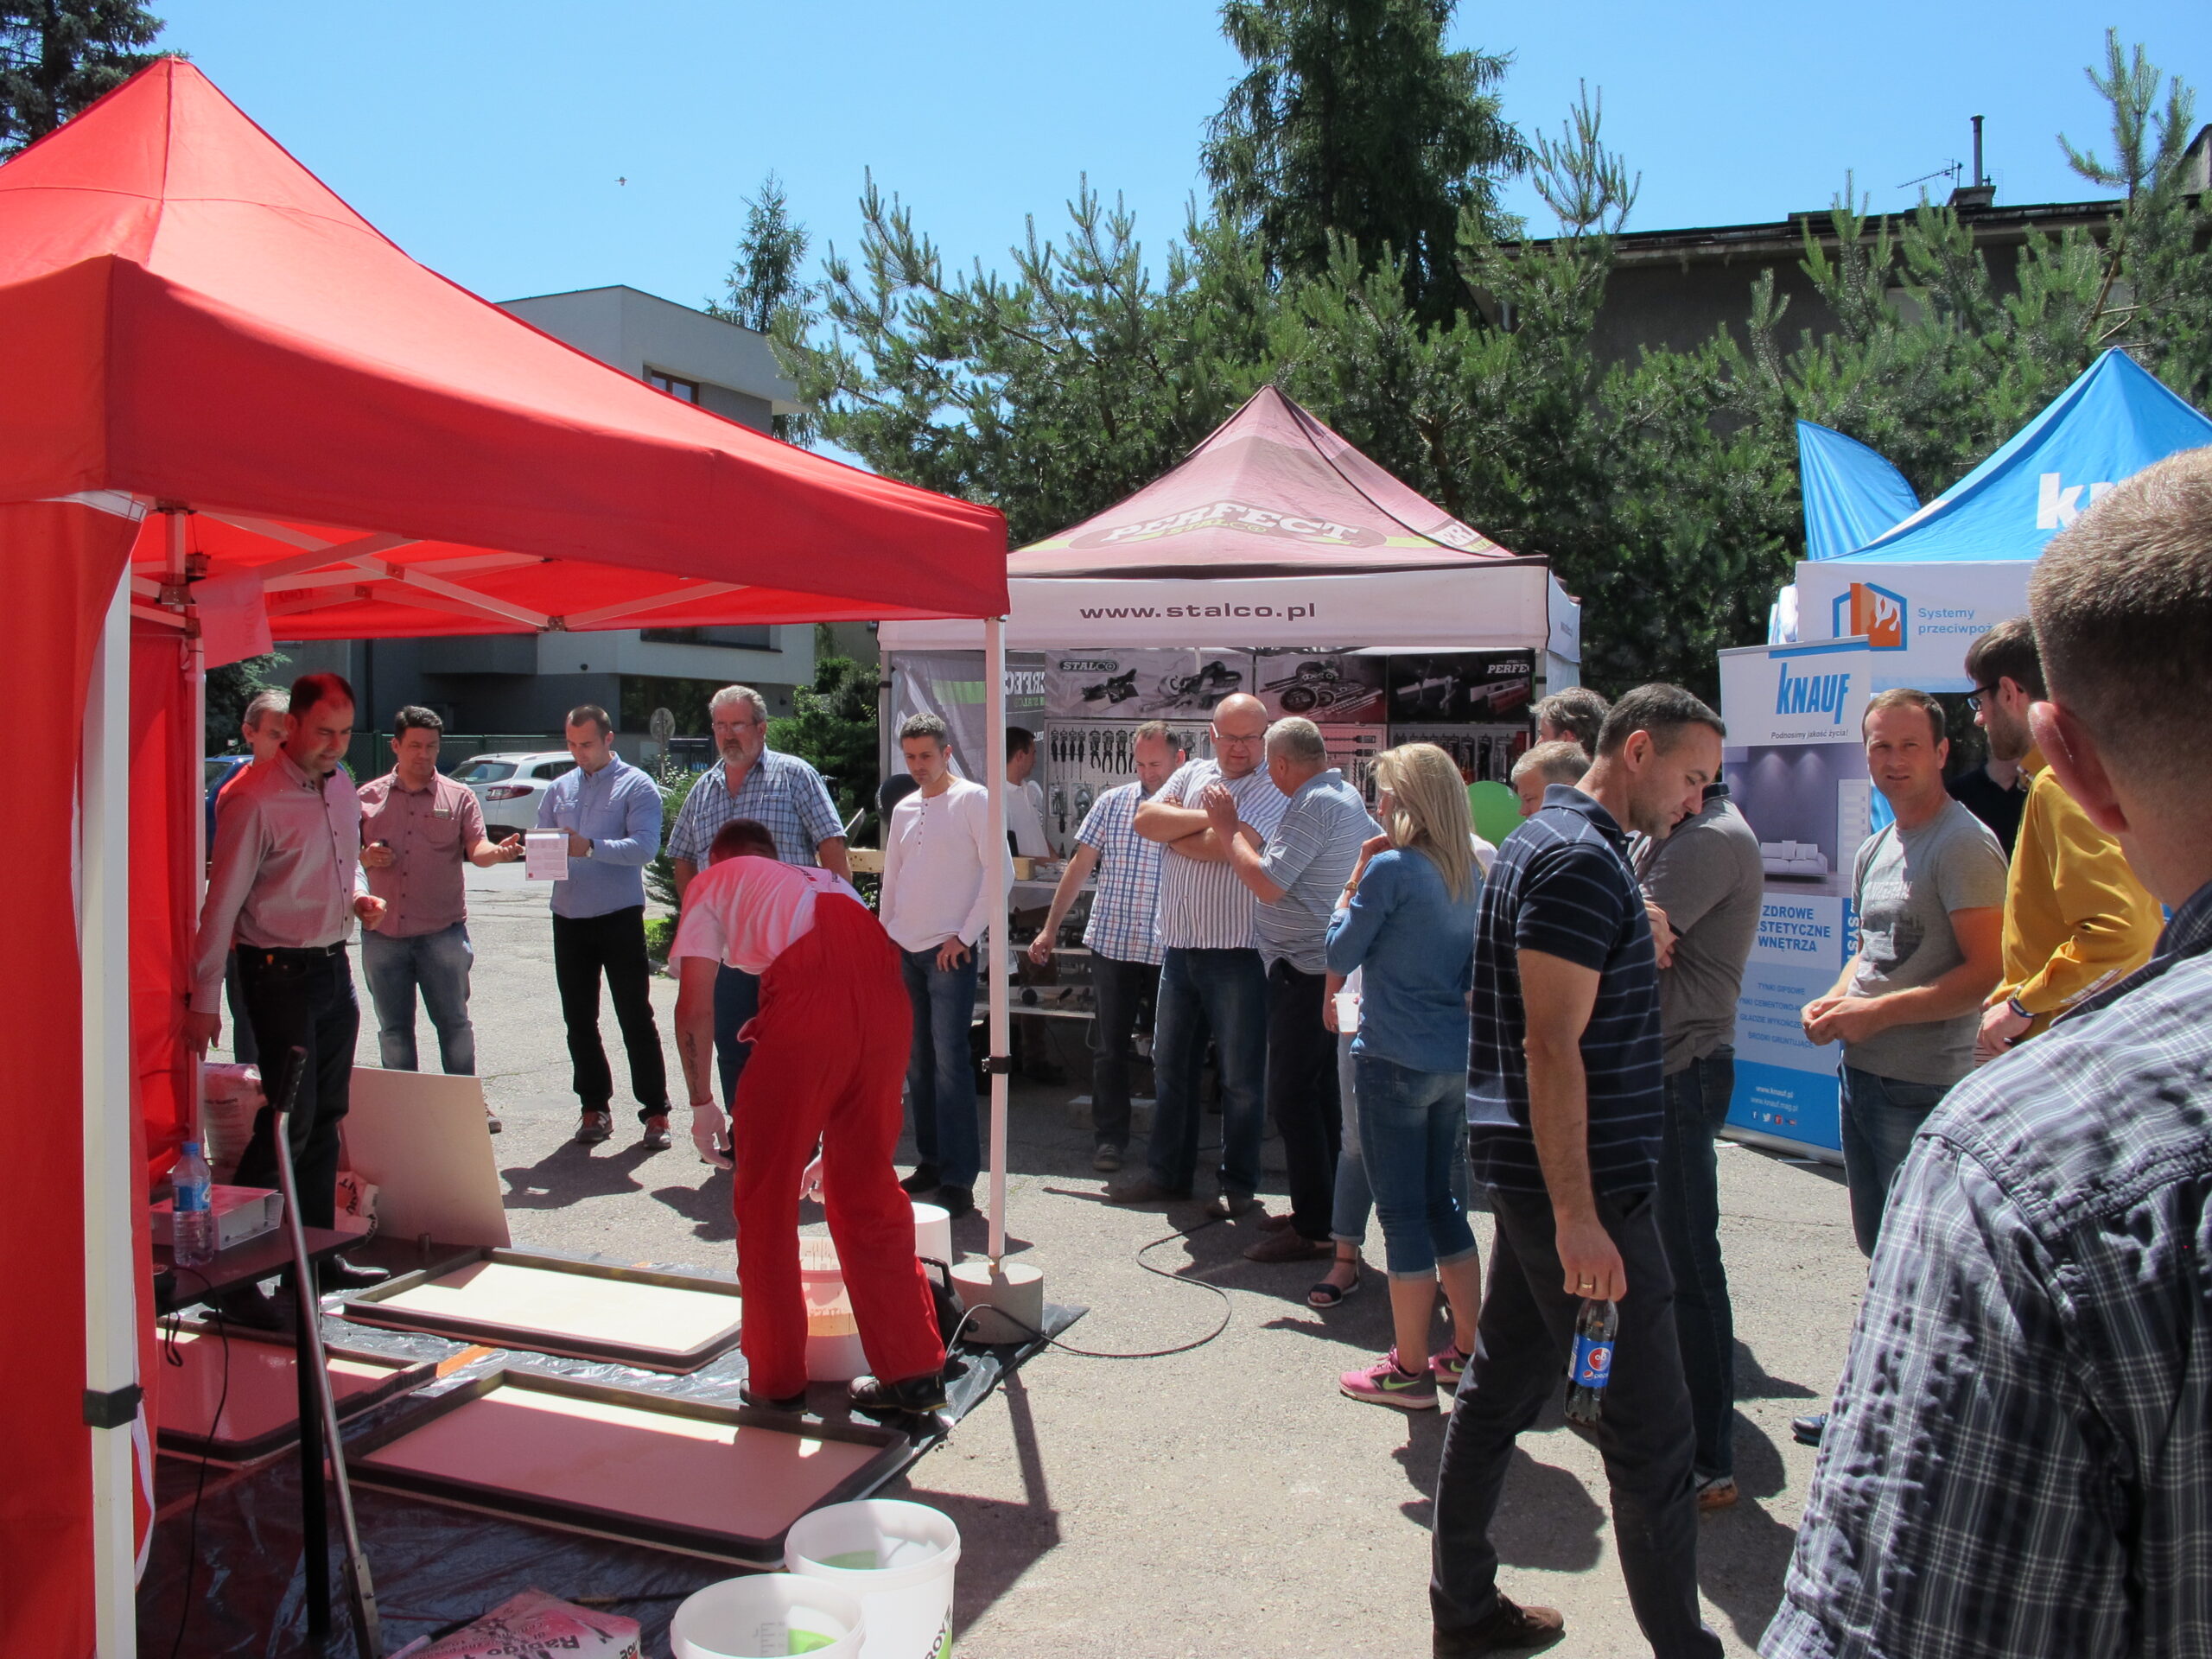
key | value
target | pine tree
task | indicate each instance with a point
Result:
(764, 290)
(1354, 121)
(56, 56)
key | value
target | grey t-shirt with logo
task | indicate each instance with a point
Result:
(1907, 884)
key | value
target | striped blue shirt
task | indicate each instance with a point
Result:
(779, 791)
(1561, 885)
(1310, 857)
(1203, 906)
(1124, 909)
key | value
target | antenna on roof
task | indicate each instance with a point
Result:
(1951, 173)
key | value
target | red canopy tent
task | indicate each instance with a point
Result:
(224, 395)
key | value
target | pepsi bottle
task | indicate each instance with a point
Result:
(1593, 1365)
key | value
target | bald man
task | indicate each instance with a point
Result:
(1210, 974)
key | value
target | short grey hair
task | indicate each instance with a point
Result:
(269, 700)
(730, 696)
(1556, 762)
(1298, 739)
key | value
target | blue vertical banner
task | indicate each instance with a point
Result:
(1796, 770)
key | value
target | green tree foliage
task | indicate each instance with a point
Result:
(56, 56)
(1354, 123)
(764, 290)
(230, 688)
(833, 728)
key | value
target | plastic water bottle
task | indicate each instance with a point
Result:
(1593, 1366)
(193, 1240)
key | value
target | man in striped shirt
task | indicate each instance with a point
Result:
(1565, 1105)
(1210, 972)
(1123, 941)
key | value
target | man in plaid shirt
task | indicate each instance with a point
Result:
(2020, 1457)
(752, 781)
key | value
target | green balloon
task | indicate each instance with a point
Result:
(1496, 811)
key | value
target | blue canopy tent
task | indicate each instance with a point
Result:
(1921, 591)
(1852, 495)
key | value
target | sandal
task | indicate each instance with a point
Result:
(1327, 1294)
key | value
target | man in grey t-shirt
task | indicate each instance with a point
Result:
(1931, 898)
(1705, 884)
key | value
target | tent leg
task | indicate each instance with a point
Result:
(111, 1407)
(994, 964)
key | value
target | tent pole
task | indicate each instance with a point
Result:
(112, 1411)
(994, 964)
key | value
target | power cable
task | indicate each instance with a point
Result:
(1228, 1307)
(171, 1356)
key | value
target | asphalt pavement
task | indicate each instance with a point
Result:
(1226, 1500)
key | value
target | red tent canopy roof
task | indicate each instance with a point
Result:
(188, 316)
(1270, 491)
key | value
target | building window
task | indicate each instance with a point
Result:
(686, 389)
(739, 638)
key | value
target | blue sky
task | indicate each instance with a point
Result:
(488, 138)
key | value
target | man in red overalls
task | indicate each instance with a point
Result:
(829, 1047)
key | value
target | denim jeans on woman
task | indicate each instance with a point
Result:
(1355, 1201)
(1688, 1209)
(1413, 1136)
(940, 1076)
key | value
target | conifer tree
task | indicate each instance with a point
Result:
(56, 56)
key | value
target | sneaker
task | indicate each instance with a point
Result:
(1717, 1492)
(657, 1137)
(1807, 1430)
(917, 1396)
(335, 1273)
(1141, 1189)
(1447, 1366)
(1509, 1628)
(956, 1201)
(1383, 1384)
(594, 1127)
(255, 1308)
(792, 1402)
(1106, 1159)
(923, 1180)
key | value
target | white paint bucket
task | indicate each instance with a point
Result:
(834, 1353)
(933, 1233)
(897, 1557)
(767, 1616)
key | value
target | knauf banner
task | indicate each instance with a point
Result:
(1796, 769)
(1922, 592)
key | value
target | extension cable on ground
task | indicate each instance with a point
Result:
(1228, 1307)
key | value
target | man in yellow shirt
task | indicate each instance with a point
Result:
(2075, 917)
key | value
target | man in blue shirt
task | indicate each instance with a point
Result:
(2018, 1459)
(612, 813)
(1564, 1105)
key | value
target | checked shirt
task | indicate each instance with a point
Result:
(781, 791)
(2019, 1458)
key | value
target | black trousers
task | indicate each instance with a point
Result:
(584, 947)
(1302, 1095)
(1522, 1344)
(1125, 991)
(243, 1049)
(300, 999)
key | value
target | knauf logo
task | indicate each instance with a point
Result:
(1811, 694)
(2059, 504)
(1875, 611)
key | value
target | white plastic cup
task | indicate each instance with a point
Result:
(1347, 1012)
(768, 1616)
(897, 1557)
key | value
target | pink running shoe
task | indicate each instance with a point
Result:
(1447, 1366)
(1383, 1383)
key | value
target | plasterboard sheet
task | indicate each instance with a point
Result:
(551, 1450)
(261, 1402)
(574, 1309)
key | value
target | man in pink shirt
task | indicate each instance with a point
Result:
(828, 1054)
(417, 829)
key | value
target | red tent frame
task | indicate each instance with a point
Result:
(224, 396)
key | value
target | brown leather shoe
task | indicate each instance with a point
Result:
(1510, 1628)
(1284, 1245)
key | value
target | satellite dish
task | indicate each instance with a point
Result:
(662, 725)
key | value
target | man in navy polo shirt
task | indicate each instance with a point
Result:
(1565, 1102)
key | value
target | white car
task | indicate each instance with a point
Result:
(509, 786)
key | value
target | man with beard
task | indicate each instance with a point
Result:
(2076, 918)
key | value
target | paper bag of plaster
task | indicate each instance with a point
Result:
(356, 1205)
(534, 1625)
(229, 1098)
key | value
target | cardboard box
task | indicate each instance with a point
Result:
(241, 1212)
(534, 1625)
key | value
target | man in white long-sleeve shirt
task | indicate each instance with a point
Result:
(944, 883)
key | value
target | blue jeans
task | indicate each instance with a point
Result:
(436, 964)
(1355, 1200)
(940, 1076)
(1413, 1136)
(1880, 1117)
(1688, 1197)
(737, 999)
(1227, 992)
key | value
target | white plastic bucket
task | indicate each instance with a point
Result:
(768, 1616)
(897, 1557)
(834, 1353)
(933, 1233)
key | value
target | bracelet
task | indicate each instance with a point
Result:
(702, 1105)
(2013, 1003)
